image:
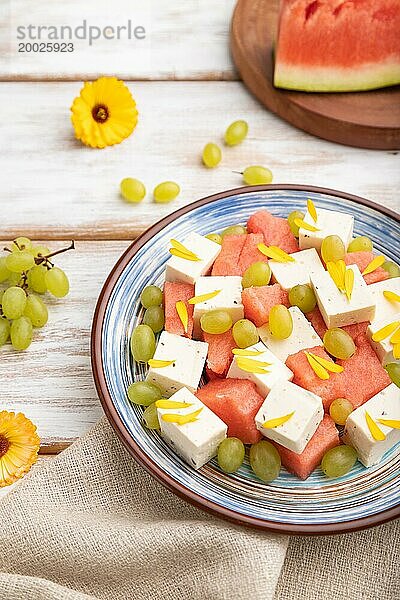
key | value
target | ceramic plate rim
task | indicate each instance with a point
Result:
(118, 425)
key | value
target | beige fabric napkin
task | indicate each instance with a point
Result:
(91, 524)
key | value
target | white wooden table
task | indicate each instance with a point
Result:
(53, 189)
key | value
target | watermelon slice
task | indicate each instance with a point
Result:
(250, 253)
(362, 260)
(276, 231)
(173, 292)
(302, 465)
(258, 301)
(220, 355)
(236, 402)
(317, 321)
(321, 48)
(227, 262)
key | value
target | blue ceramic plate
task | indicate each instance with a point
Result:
(362, 498)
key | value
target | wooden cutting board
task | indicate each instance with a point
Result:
(362, 119)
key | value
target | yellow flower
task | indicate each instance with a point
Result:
(104, 114)
(19, 446)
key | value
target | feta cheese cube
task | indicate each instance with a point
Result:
(385, 308)
(329, 222)
(229, 298)
(277, 370)
(189, 357)
(289, 274)
(385, 405)
(196, 442)
(285, 398)
(303, 336)
(188, 271)
(384, 348)
(336, 309)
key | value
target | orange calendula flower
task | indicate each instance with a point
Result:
(19, 446)
(105, 113)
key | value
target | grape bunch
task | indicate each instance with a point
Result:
(26, 274)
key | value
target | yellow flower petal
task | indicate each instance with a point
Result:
(349, 283)
(393, 423)
(19, 446)
(395, 339)
(159, 364)
(165, 403)
(182, 314)
(384, 332)
(336, 272)
(252, 366)
(272, 423)
(303, 225)
(374, 264)
(275, 253)
(391, 296)
(312, 210)
(376, 433)
(246, 352)
(203, 297)
(318, 369)
(396, 351)
(182, 419)
(327, 364)
(181, 251)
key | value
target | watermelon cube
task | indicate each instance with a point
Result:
(236, 402)
(304, 376)
(258, 301)
(250, 253)
(357, 331)
(302, 465)
(362, 260)
(220, 355)
(317, 321)
(174, 292)
(227, 262)
(276, 231)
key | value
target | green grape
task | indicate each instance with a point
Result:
(132, 190)
(234, 230)
(36, 311)
(143, 343)
(4, 331)
(37, 279)
(280, 322)
(236, 133)
(150, 417)
(214, 237)
(391, 268)
(332, 249)
(338, 461)
(212, 155)
(340, 410)
(4, 272)
(166, 192)
(13, 302)
(339, 343)
(151, 296)
(154, 318)
(144, 393)
(19, 261)
(14, 279)
(257, 175)
(256, 275)
(265, 460)
(245, 333)
(303, 296)
(216, 321)
(21, 243)
(57, 282)
(21, 333)
(360, 244)
(393, 370)
(230, 454)
(39, 251)
(295, 214)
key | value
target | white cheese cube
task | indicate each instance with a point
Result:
(336, 309)
(229, 298)
(285, 398)
(329, 222)
(189, 357)
(303, 336)
(289, 274)
(188, 271)
(385, 405)
(277, 370)
(196, 442)
(385, 308)
(384, 348)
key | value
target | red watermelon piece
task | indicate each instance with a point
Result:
(276, 231)
(236, 402)
(304, 376)
(317, 321)
(220, 355)
(173, 292)
(258, 301)
(250, 253)
(319, 48)
(227, 262)
(302, 465)
(362, 260)
(357, 330)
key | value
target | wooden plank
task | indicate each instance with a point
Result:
(6, 490)
(189, 41)
(51, 382)
(52, 187)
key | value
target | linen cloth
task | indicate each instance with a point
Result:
(91, 524)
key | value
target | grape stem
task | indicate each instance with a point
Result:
(238, 172)
(40, 259)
